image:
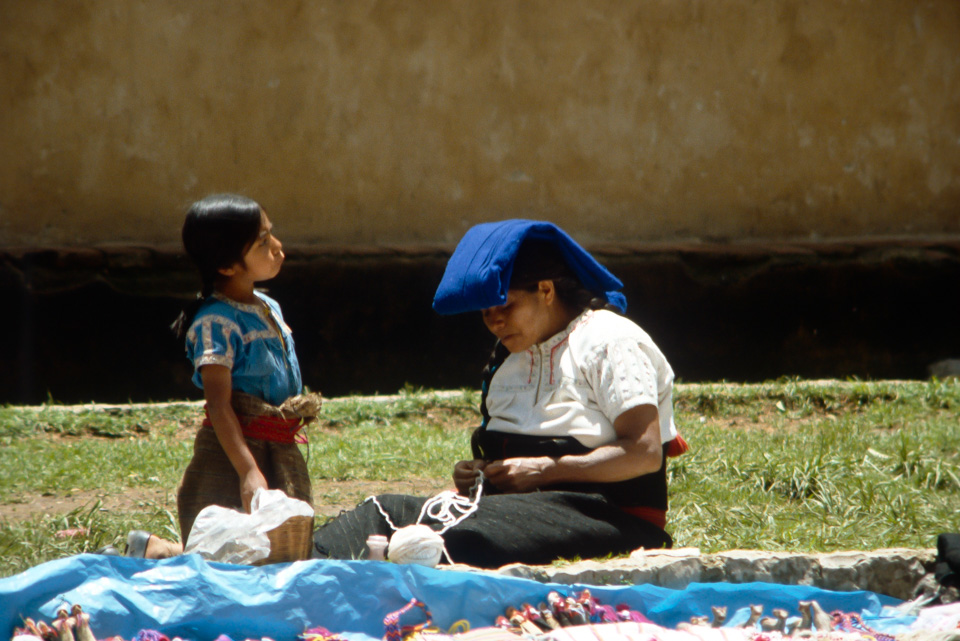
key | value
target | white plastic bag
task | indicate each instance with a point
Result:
(228, 536)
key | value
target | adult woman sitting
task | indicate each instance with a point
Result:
(577, 412)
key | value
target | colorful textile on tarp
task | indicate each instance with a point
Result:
(192, 599)
(393, 631)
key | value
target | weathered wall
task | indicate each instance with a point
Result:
(660, 133)
(405, 122)
(92, 324)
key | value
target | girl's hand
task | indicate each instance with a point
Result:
(515, 475)
(217, 390)
(465, 474)
(249, 484)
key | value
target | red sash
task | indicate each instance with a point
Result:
(676, 447)
(269, 428)
(651, 514)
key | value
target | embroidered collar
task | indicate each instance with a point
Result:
(253, 308)
(262, 311)
(564, 333)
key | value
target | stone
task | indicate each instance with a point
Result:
(899, 573)
(743, 566)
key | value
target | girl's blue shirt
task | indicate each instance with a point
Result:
(262, 362)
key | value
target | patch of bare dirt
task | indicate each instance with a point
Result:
(54, 504)
(329, 498)
(332, 497)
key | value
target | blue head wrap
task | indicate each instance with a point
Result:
(478, 273)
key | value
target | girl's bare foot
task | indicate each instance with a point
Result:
(144, 545)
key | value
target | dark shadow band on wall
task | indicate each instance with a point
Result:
(91, 324)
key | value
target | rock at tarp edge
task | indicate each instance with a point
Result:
(895, 572)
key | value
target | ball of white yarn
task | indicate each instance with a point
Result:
(415, 544)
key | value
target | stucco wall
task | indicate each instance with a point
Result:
(404, 122)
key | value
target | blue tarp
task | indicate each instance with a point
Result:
(193, 599)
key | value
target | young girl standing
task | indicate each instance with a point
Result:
(244, 360)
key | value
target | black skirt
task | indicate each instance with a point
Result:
(535, 528)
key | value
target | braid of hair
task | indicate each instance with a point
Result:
(497, 356)
(601, 302)
(183, 321)
(573, 294)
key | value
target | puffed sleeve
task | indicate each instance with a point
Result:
(213, 340)
(623, 377)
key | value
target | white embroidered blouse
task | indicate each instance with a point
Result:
(577, 382)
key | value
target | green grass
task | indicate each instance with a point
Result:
(140, 449)
(808, 467)
(783, 466)
(410, 436)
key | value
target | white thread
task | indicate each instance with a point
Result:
(422, 544)
(418, 544)
(443, 507)
(383, 513)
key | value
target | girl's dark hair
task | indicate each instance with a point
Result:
(217, 232)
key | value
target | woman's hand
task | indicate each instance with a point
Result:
(514, 475)
(635, 452)
(465, 474)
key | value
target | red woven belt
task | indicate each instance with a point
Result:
(651, 514)
(269, 428)
(677, 446)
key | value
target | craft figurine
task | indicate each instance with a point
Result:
(576, 612)
(559, 606)
(756, 611)
(781, 615)
(36, 629)
(82, 622)
(776, 623)
(822, 621)
(64, 625)
(626, 614)
(517, 619)
(548, 617)
(719, 615)
(806, 620)
(604, 613)
(533, 615)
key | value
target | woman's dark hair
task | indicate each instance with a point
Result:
(539, 260)
(217, 232)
